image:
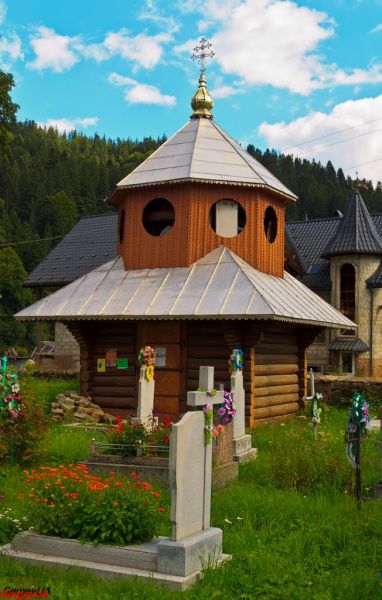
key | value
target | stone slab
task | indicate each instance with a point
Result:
(190, 554)
(378, 491)
(242, 449)
(247, 456)
(186, 464)
(144, 555)
(224, 474)
(172, 582)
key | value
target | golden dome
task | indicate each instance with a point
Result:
(202, 102)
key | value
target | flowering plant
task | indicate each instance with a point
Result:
(210, 430)
(10, 399)
(227, 410)
(69, 502)
(147, 356)
(130, 435)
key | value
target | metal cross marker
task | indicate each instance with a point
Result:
(201, 52)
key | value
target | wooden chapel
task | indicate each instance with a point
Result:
(200, 271)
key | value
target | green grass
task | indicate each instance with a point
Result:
(44, 391)
(290, 523)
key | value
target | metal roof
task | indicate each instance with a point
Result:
(203, 151)
(375, 281)
(353, 345)
(91, 242)
(356, 233)
(220, 285)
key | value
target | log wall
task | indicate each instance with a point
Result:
(114, 390)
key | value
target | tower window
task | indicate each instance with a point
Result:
(158, 217)
(227, 218)
(347, 291)
(121, 226)
(270, 224)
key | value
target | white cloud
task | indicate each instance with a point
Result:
(277, 42)
(151, 12)
(360, 120)
(10, 50)
(224, 91)
(141, 93)
(53, 51)
(3, 12)
(377, 28)
(61, 52)
(142, 49)
(66, 125)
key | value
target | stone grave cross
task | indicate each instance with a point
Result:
(191, 463)
(145, 401)
(242, 442)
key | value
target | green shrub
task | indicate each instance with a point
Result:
(70, 503)
(10, 525)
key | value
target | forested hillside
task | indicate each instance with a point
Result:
(49, 180)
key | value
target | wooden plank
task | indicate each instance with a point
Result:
(166, 404)
(279, 359)
(118, 381)
(277, 389)
(117, 392)
(111, 402)
(276, 369)
(275, 411)
(167, 383)
(262, 402)
(271, 380)
(276, 348)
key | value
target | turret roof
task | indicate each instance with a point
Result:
(202, 151)
(356, 233)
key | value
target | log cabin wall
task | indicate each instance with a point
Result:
(276, 369)
(115, 389)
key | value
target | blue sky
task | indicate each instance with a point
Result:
(285, 72)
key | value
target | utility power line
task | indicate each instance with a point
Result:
(323, 146)
(330, 134)
(364, 163)
(56, 237)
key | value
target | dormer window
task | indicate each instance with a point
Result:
(158, 217)
(227, 218)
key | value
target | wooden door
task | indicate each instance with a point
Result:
(166, 338)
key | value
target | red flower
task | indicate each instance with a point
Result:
(166, 440)
(167, 421)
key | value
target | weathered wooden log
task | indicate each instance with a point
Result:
(279, 359)
(275, 411)
(276, 369)
(275, 390)
(276, 349)
(264, 401)
(110, 380)
(116, 392)
(110, 402)
(271, 380)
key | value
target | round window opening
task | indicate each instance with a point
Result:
(227, 218)
(270, 224)
(158, 217)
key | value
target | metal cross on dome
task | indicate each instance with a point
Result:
(201, 52)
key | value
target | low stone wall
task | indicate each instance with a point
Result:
(338, 390)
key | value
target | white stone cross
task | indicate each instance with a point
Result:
(191, 463)
(242, 442)
(206, 383)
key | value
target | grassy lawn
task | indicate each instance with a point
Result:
(290, 523)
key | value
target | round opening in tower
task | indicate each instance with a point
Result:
(270, 224)
(227, 218)
(158, 217)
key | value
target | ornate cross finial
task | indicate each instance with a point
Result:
(201, 52)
